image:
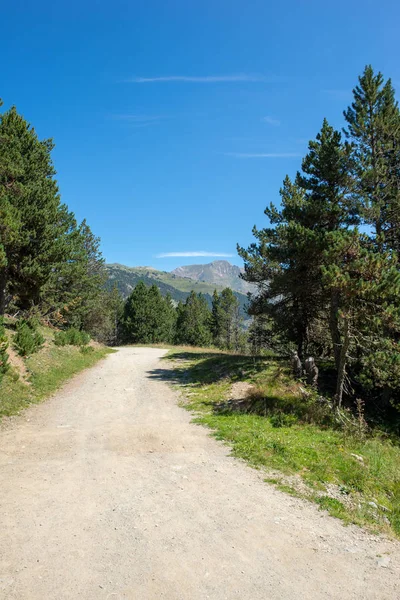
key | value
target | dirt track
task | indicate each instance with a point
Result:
(109, 492)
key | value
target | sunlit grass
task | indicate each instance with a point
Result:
(354, 478)
(46, 371)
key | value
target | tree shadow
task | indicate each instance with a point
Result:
(210, 368)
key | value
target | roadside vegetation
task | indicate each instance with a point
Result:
(282, 427)
(34, 374)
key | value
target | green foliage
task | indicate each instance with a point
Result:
(179, 288)
(87, 349)
(283, 420)
(32, 230)
(27, 339)
(72, 337)
(373, 122)
(47, 260)
(322, 286)
(193, 326)
(148, 317)
(4, 366)
(225, 320)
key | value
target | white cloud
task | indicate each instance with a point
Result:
(190, 254)
(201, 79)
(271, 121)
(262, 154)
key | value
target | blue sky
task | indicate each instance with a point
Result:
(176, 121)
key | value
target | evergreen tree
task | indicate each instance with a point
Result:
(193, 325)
(368, 285)
(287, 262)
(373, 127)
(30, 210)
(215, 323)
(327, 180)
(288, 280)
(148, 317)
(261, 335)
(76, 287)
(225, 320)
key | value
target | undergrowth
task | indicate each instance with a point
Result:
(44, 371)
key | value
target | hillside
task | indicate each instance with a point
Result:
(178, 287)
(219, 273)
(34, 378)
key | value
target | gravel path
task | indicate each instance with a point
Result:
(109, 492)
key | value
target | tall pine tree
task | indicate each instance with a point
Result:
(373, 127)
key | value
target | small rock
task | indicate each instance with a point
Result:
(383, 561)
(357, 457)
(373, 504)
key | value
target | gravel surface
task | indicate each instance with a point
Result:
(109, 492)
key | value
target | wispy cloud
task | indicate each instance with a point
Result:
(191, 254)
(244, 77)
(271, 121)
(262, 154)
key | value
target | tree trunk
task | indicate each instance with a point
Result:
(3, 285)
(334, 326)
(341, 371)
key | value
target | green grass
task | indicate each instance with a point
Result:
(46, 370)
(279, 428)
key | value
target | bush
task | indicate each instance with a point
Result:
(87, 349)
(71, 337)
(28, 339)
(282, 420)
(4, 366)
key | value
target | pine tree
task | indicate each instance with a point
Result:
(288, 280)
(148, 317)
(30, 212)
(327, 180)
(193, 325)
(373, 127)
(225, 320)
(368, 285)
(215, 322)
(76, 286)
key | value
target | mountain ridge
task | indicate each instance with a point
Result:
(178, 287)
(219, 272)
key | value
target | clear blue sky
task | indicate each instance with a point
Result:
(176, 121)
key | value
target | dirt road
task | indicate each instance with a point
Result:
(109, 492)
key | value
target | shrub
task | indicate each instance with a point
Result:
(87, 349)
(282, 420)
(28, 339)
(4, 366)
(71, 337)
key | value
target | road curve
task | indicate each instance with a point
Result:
(109, 492)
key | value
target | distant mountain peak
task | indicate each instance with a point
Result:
(218, 272)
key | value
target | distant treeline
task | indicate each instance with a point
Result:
(327, 265)
(127, 279)
(149, 317)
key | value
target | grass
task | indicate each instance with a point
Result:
(45, 371)
(281, 428)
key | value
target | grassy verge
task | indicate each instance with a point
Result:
(275, 425)
(36, 377)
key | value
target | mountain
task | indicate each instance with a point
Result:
(218, 272)
(179, 288)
